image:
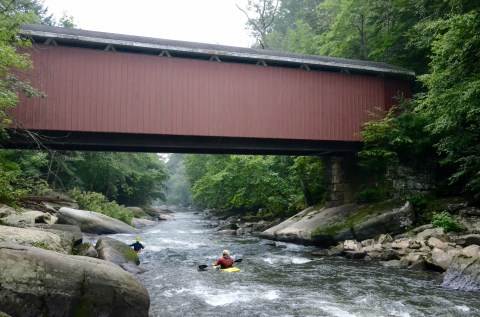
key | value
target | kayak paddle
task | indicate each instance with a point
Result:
(204, 266)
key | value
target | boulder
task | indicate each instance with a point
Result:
(355, 255)
(118, 253)
(467, 240)
(392, 263)
(463, 274)
(352, 245)
(6, 211)
(384, 238)
(165, 217)
(59, 242)
(142, 223)
(437, 243)
(93, 222)
(427, 233)
(401, 244)
(472, 251)
(37, 282)
(392, 222)
(298, 228)
(86, 249)
(74, 230)
(228, 232)
(29, 218)
(138, 212)
(439, 260)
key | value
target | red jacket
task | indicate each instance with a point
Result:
(225, 262)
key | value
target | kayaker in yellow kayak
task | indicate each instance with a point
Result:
(225, 261)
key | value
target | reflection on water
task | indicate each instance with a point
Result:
(279, 281)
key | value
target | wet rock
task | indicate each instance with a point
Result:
(355, 255)
(228, 232)
(320, 253)
(420, 265)
(118, 253)
(392, 263)
(165, 217)
(38, 282)
(463, 274)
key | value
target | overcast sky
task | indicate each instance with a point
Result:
(207, 21)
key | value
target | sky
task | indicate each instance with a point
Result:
(206, 21)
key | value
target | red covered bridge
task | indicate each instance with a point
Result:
(127, 93)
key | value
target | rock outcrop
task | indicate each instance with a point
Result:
(61, 242)
(328, 226)
(37, 282)
(118, 253)
(93, 222)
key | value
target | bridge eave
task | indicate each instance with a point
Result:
(220, 51)
(123, 142)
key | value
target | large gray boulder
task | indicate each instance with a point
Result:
(347, 222)
(26, 218)
(59, 242)
(118, 253)
(463, 274)
(74, 230)
(35, 282)
(93, 222)
(298, 229)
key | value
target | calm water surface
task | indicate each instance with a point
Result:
(277, 281)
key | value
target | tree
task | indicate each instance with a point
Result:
(261, 14)
(451, 103)
(128, 178)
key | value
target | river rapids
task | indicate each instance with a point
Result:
(281, 280)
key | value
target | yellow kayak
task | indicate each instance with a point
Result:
(231, 269)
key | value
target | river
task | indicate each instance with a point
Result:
(279, 281)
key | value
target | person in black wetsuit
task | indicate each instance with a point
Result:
(137, 246)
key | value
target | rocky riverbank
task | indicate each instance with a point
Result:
(384, 232)
(46, 269)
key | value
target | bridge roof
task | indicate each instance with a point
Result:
(183, 49)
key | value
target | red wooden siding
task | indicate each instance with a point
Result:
(98, 91)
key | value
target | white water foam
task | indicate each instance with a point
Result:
(336, 311)
(216, 297)
(462, 308)
(296, 260)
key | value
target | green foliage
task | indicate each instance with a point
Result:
(99, 203)
(308, 172)
(134, 179)
(453, 91)
(12, 62)
(236, 182)
(20, 174)
(371, 195)
(419, 202)
(445, 220)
